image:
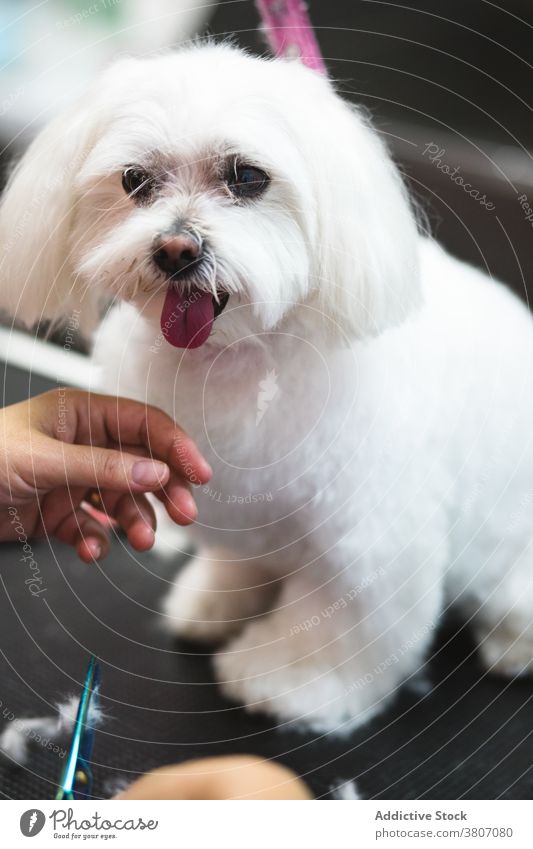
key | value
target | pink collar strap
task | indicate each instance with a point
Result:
(290, 32)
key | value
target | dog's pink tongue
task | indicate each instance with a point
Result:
(187, 319)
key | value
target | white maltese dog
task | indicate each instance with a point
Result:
(365, 400)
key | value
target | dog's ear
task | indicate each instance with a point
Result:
(36, 212)
(366, 275)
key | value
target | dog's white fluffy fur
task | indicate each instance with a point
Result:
(366, 400)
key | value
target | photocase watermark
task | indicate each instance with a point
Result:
(40, 201)
(89, 824)
(34, 581)
(32, 822)
(523, 200)
(268, 390)
(435, 155)
(340, 604)
(62, 409)
(63, 819)
(86, 13)
(497, 457)
(71, 328)
(229, 498)
(24, 726)
(186, 465)
(8, 102)
(518, 515)
(393, 658)
(172, 319)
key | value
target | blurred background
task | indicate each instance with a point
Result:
(449, 85)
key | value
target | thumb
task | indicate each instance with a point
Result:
(105, 468)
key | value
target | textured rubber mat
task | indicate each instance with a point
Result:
(456, 732)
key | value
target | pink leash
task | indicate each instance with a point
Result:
(290, 32)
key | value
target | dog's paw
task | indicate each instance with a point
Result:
(207, 602)
(261, 672)
(205, 616)
(506, 653)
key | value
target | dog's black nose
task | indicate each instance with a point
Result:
(177, 253)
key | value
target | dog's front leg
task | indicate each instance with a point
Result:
(332, 651)
(216, 595)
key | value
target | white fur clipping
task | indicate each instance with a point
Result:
(346, 792)
(17, 737)
(116, 784)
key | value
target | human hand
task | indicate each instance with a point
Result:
(58, 446)
(228, 777)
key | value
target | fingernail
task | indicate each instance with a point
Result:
(208, 471)
(149, 531)
(148, 472)
(95, 549)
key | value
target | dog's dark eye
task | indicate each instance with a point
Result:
(247, 181)
(137, 183)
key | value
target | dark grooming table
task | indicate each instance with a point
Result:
(466, 736)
